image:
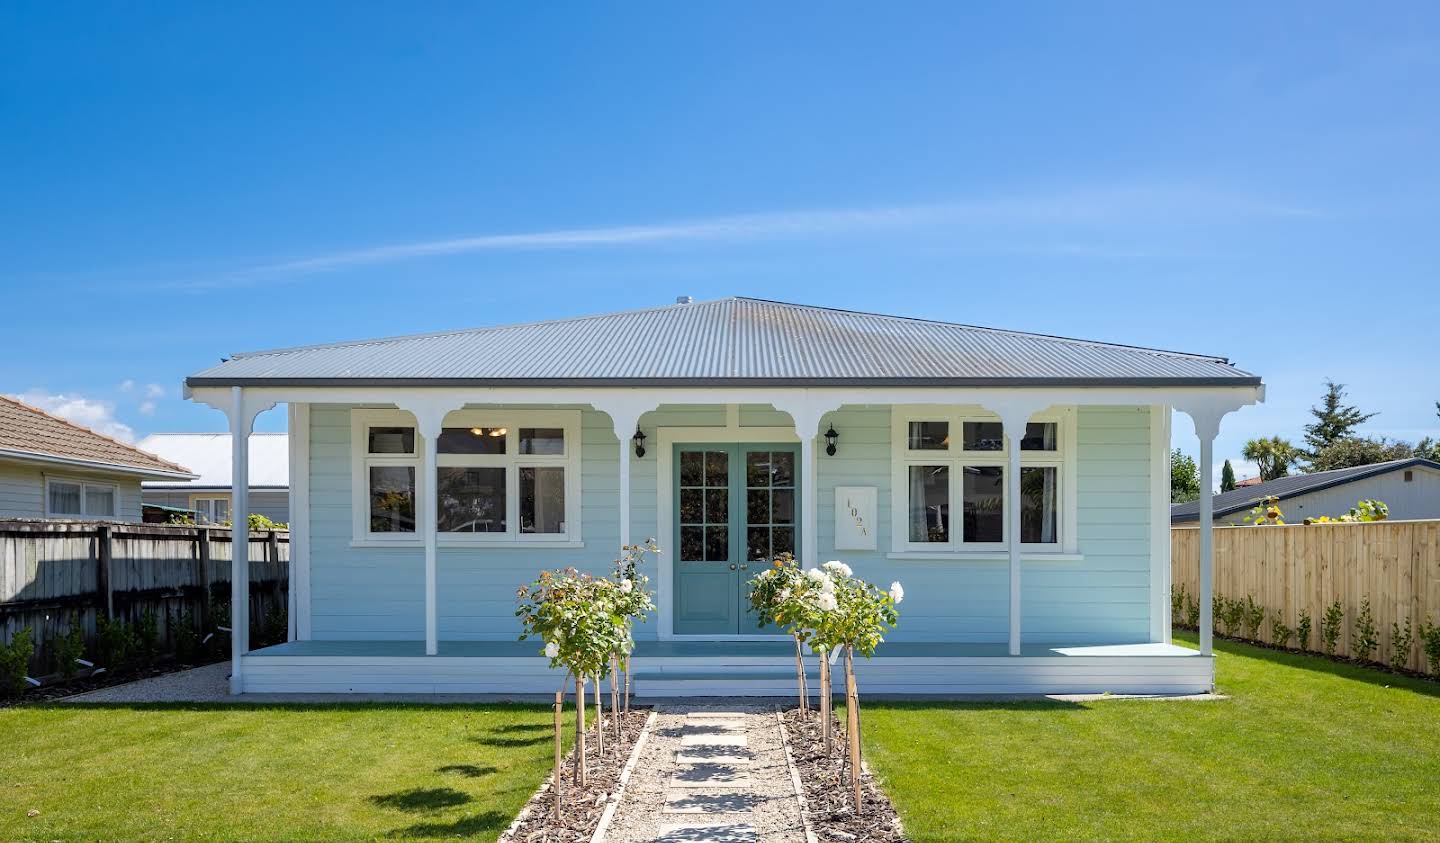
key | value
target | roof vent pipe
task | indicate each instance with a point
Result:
(684, 299)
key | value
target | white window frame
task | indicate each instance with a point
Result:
(211, 498)
(956, 458)
(83, 484)
(361, 420)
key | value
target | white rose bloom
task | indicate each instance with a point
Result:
(896, 592)
(626, 586)
(827, 586)
(838, 567)
(784, 594)
(552, 650)
(816, 574)
(827, 602)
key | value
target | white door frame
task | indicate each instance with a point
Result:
(665, 510)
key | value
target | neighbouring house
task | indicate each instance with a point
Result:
(207, 498)
(53, 468)
(1018, 485)
(1248, 481)
(1409, 487)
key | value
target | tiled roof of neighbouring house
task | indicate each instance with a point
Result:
(27, 431)
(733, 341)
(1246, 497)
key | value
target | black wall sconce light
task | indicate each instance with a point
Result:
(639, 440)
(830, 437)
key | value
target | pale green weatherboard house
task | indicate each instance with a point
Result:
(432, 475)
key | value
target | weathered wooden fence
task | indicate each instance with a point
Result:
(1396, 564)
(53, 571)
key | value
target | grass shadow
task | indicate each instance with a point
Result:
(422, 799)
(1320, 663)
(469, 771)
(521, 727)
(473, 825)
(490, 740)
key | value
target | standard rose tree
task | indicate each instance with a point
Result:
(779, 596)
(862, 615)
(634, 601)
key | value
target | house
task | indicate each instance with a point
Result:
(1248, 481)
(1016, 484)
(208, 455)
(52, 468)
(1409, 487)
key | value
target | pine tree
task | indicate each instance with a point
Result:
(1227, 477)
(1334, 420)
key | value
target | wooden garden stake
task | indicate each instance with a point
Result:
(825, 702)
(627, 684)
(615, 697)
(800, 673)
(559, 725)
(582, 776)
(852, 724)
(599, 719)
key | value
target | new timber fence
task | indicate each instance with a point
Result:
(177, 577)
(1295, 568)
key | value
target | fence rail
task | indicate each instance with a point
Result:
(53, 571)
(1294, 568)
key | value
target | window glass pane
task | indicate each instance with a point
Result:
(471, 440)
(984, 436)
(928, 436)
(392, 499)
(542, 440)
(1039, 436)
(392, 440)
(1037, 505)
(929, 503)
(471, 500)
(64, 498)
(984, 497)
(542, 499)
(221, 508)
(100, 501)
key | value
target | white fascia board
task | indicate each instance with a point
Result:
(93, 465)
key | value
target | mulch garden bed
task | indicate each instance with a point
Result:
(826, 781)
(61, 688)
(580, 809)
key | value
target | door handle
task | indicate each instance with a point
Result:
(744, 566)
(732, 566)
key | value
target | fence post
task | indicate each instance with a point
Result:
(202, 576)
(102, 570)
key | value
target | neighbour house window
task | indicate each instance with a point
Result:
(211, 510)
(79, 499)
(499, 476)
(950, 482)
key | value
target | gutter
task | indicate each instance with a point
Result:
(971, 383)
(93, 465)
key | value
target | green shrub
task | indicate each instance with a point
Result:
(69, 647)
(1430, 643)
(1402, 638)
(147, 639)
(1252, 615)
(15, 662)
(1192, 613)
(1330, 627)
(115, 643)
(187, 639)
(1233, 616)
(275, 627)
(1364, 638)
(1177, 602)
(1280, 633)
(1302, 630)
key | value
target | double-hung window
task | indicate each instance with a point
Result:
(501, 477)
(950, 491)
(79, 499)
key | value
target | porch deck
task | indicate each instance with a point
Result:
(728, 668)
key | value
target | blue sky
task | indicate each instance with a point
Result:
(178, 182)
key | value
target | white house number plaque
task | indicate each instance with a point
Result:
(855, 518)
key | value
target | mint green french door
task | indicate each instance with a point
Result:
(735, 508)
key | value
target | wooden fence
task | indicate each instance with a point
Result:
(1396, 564)
(53, 571)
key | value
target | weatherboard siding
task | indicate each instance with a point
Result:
(22, 491)
(378, 593)
(1417, 499)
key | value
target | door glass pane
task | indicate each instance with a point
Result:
(471, 440)
(717, 543)
(757, 510)
(542, 440)
(782, 468)
(757, 543)
(392, 440)
(542, 499)
(392, 499)
(692, 506)
(1037, 505)
(757, 468)
(782, 540)
(984, 436)
(717, 506)
(692, 468)
(929, 496)
(692, 544)
(928, 436)
(471, 500)
(64, 498)
(717, 468)
(984, 497)
(1039, 436)
(782, 506)
(100, 501)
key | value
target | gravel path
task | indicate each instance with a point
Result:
(716, 775)
(210, 683)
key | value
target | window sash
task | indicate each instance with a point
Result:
(65, 497)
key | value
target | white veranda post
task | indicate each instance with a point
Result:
(1012, 528)
(241, 414)
(429, 413)
(1206, 434)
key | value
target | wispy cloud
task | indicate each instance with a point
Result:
(1061, 212)
(96, 414)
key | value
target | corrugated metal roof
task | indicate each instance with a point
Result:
(734, 341)
(1245, 497)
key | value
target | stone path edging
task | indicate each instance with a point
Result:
(613, 801)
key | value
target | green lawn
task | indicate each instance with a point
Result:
(354, 772)
(1305, 749)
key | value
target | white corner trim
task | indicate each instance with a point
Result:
(299, 429)
(1160, 575)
